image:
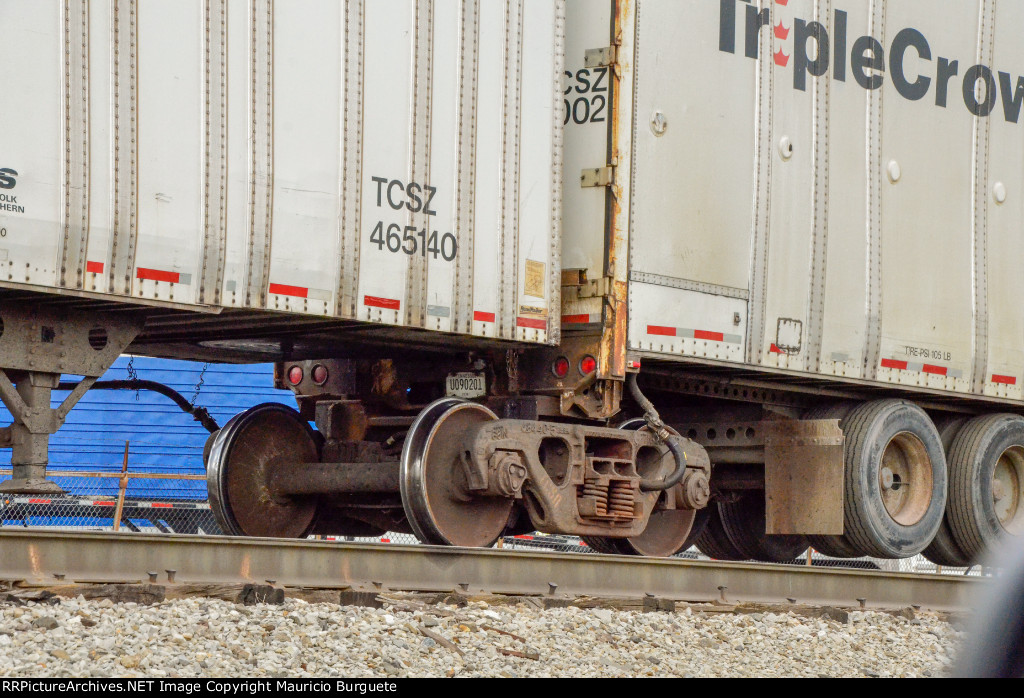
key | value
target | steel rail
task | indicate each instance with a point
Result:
(37, 557)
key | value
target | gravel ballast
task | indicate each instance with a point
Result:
(212, 638)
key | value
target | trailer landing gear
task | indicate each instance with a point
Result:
(37, 345)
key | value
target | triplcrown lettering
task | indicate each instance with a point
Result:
(815, 50)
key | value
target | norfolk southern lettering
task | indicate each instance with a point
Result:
(815, 51)
(9, 202)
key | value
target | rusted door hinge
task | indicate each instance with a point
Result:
(598, 177)
(600, 57)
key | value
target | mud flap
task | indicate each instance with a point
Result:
(804, 477)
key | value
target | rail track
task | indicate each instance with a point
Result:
(43, 558)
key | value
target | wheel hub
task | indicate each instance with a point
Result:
(1008, 490)
(905, 479)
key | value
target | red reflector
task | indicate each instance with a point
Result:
(295, 375)
(658, 331)
(588, 365)
(560, 367)
(319, 374)
(171, 277)
(385, 303)
(286, 290)
(893, 363)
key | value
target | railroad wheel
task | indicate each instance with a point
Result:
(713, 541)
(987, 483)
(833, 546)
(944, 550)
(895, 493)
(433, 484)
(700, 523)
(744, 523)
(241, 457)
(669, 531)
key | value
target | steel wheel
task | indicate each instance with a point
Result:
(668, 530)
(667, 533)
(241, 457)
(432, 481)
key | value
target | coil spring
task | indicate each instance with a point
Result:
(592, 488)
(620, 498)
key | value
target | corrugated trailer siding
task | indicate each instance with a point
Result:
(838, 191)
(390, 161)
(163, 439)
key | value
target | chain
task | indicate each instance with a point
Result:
(512, 367)
(132, 375)
(199, 385)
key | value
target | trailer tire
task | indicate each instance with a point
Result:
(744, 523)
(834, 546)
(944, 550)
(714, 541)
(895, 495)
(988, 449)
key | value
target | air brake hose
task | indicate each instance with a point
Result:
(199, 414)
(673, 441)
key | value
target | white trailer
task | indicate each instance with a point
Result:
(789, 214)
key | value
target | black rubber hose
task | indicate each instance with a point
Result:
(673, 441)
(200, 414)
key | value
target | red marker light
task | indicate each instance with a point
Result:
(295, 375)
(560, 367)
(319, 374)
(588, 365)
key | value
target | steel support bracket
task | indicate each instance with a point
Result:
(597, 288)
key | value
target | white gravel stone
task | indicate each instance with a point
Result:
(199, 637)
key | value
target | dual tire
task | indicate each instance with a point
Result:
(736, 531)
(986, 491)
